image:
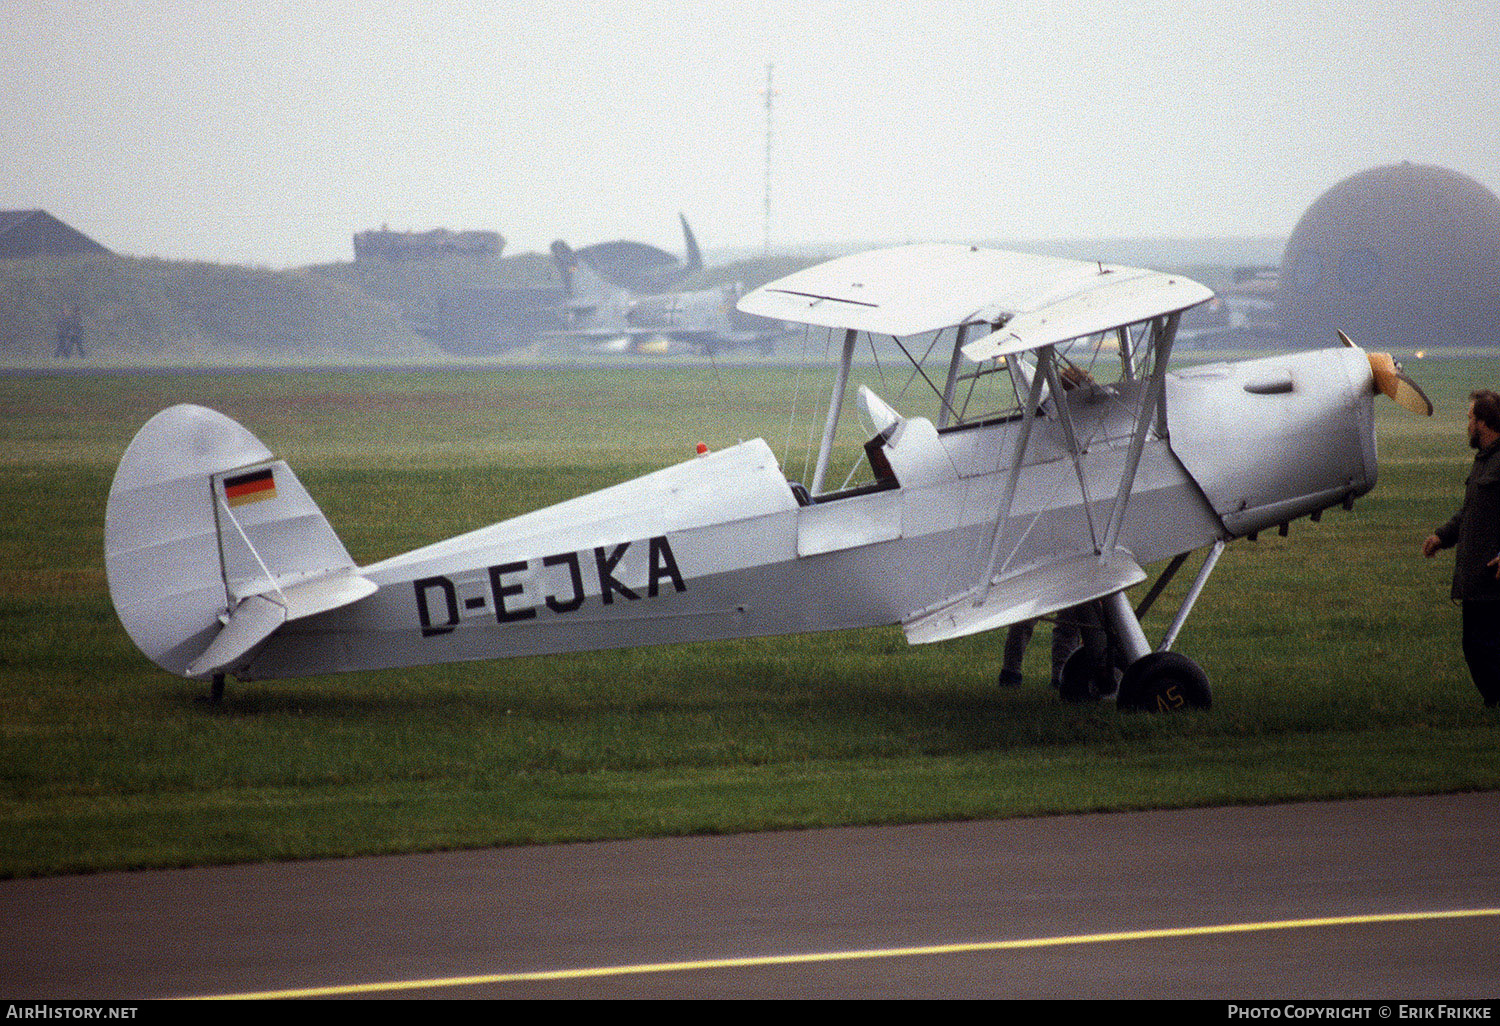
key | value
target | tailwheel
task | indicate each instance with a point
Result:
(215, 694)
(1164, 682)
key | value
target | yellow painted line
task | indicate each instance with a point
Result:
(758, 961)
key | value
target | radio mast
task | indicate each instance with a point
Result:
(770, 93)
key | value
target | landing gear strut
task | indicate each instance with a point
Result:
(1151, 681)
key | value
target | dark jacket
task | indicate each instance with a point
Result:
(1475, 529)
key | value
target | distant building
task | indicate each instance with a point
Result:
(384, 244)
(1401, 256)
(29, 233)
(642, 268)
(635, 265)
(478, 321)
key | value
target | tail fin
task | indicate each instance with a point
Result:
(694, 257)
(565, 259)
(587, 288)
(211, 544)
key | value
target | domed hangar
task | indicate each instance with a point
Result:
(1402, 256)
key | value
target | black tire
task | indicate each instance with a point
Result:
(1164, 682)
(1075, 682)
(1084, 679)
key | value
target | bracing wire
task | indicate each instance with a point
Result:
(786, 448)
(871, 336)
(724, 403)
(917, 365)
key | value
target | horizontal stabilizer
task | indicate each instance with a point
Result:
(333, 590)
(257, 617)
(254, 620)
(1027, 595)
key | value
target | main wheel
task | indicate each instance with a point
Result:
(1164, 682)
(1084, 678)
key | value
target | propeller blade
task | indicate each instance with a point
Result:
(1409, 395)
(1392, 380)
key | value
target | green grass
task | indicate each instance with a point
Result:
(1333, 652)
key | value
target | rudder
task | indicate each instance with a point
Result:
(211, 544)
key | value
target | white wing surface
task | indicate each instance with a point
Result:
(1113, 298)
(907, 290)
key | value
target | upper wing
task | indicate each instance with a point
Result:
(907, 290)
(1126, 297)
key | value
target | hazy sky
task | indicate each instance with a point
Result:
(267, 133)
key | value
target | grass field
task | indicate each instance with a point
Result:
(1333, 652)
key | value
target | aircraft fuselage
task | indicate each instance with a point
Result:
(720, 546)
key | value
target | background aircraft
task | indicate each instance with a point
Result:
(642, 268)
(618, 319)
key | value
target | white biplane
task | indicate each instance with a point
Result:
(1101, 462)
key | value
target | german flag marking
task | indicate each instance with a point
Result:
(251, 487)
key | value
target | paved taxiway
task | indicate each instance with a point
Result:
(1325, 900)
